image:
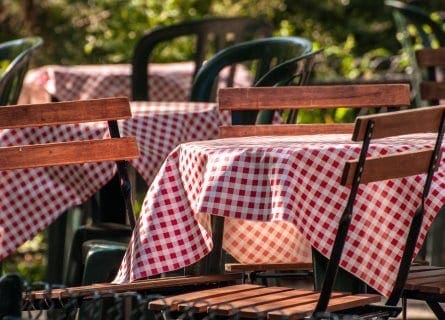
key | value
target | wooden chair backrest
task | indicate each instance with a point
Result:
(307, 97)
(71, 152)
(116, 148)
(432, 88)
(367, 169)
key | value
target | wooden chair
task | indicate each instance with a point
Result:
(426, 282)
(208, 35)
(282, 303)
(432, 88)
(17, 55)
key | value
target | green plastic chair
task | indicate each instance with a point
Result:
(259, 57)
(15, 56)
(420, 19)
(210, 35)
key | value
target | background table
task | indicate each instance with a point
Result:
(167, 82)
(292, 181)
(32, 199)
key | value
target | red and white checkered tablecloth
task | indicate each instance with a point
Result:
(289, 181)
(168, 82)
(32, 199)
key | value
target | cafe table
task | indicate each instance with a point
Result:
(167, 82)
(277, 183)
(30, 200)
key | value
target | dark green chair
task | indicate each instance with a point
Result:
(258, 57)
(209, 36)
(15, 57)
(422, 21)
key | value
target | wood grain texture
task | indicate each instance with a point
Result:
(251, 301)
(389, 167)
(430, 90)
(240, 267)
(284, 129)
(63, 153)
(429, 57)
(141, 285)
(299, 97)
(35, 115)
(419, 120)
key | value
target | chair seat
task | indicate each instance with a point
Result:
(255, 301)
(428, 279)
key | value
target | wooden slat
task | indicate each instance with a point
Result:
(430, 90)
(239, 267)
(258, 301)
(227, 304)
(34, 115)
(373, 95)
(142, 285)
(429, 57)
(335, 304)
(389, 167)
(172, 303)
(284, 129)
(302, 298)
(63, 153)
(437, 287)
(426, 119)
(426, 274)
(420, 268)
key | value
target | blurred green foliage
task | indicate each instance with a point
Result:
(359, 37)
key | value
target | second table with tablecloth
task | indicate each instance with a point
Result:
(288, 182)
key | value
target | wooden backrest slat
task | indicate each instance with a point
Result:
(35, 115)
(389, 167)
(287, 129)
(429, 57)
(418, 120)
(430, 90)
(63, 153)
(280, 98)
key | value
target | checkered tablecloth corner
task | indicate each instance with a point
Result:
(31, 199)
(289, 180)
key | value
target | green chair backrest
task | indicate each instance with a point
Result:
(420, 19)
(15, 56)
(209, 35)
(259, 57)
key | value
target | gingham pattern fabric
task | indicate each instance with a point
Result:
(167, 82)
(32, 199)
(274, 179)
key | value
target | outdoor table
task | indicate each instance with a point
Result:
(279, 182)
(167, 82)
(32, 199)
